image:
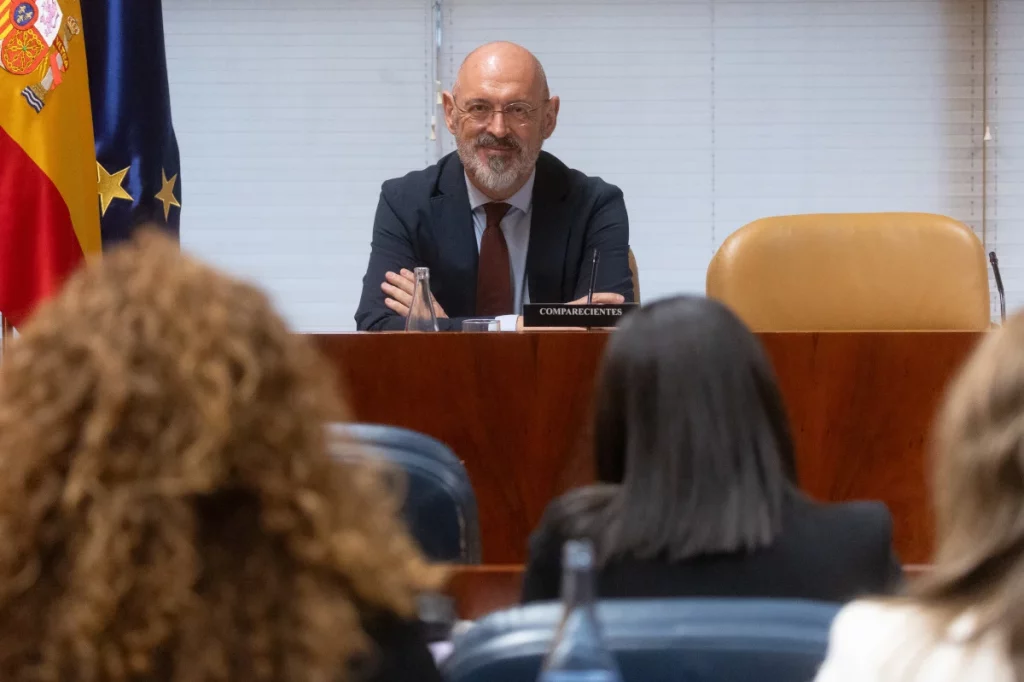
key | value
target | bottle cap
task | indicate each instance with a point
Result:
(579, 554)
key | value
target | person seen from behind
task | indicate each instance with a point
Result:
(697, 492)
(963, 619)
(168, 509)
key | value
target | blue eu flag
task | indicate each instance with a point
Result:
(138, 169)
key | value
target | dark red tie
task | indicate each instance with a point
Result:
(494, 275)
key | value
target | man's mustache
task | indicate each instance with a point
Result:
(488, 140)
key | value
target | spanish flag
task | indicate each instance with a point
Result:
(49, 222)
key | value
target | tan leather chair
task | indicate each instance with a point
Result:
(635, 273)
(857, 271)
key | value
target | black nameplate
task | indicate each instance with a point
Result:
(563, 315)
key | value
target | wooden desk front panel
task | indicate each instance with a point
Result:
(515, 408)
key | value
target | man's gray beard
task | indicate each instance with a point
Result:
(498, 175)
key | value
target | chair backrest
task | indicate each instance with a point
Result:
(439, 505)
(634, 272)
(857, 271)
(662, 640)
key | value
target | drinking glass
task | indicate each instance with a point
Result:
(483, 325)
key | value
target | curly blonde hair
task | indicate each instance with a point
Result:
(168, 509)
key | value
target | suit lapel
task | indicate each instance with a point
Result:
(549, 233)
(456, 239)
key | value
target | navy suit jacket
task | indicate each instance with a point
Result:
(424, 219)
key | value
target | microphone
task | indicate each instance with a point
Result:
(999, 284)
(593, 277)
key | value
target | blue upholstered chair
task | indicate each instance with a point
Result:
(659, 640)
(439, 504)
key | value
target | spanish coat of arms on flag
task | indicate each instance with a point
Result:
(48, 217)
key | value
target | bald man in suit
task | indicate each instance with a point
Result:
(499, 223)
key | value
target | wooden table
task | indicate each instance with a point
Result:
(515, 408)
(479, 590)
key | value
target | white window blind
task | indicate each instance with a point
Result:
(712, 113)
(847, 106)
(1005, 224)
(289, 116)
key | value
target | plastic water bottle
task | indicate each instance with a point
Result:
(421, 317)
(577, 653)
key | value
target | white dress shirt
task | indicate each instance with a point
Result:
(516, 228)
(892, 642)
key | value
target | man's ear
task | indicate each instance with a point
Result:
(448, 99)
(551, 117)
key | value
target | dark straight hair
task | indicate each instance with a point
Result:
(691, 434)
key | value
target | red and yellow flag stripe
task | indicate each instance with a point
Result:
(5, 18)
(49, 219)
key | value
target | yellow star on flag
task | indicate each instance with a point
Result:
(110, 188)
(166, 193)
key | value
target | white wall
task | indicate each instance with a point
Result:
(289, 115)
(708, 113)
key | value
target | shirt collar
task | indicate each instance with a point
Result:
(521, 199)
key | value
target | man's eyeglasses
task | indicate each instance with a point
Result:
(516, 112)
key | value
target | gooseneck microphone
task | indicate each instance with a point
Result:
(999, 284)
(593, 277)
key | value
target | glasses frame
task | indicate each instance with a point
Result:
(504, 111)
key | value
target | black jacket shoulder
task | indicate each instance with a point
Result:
(416, 185)
(826, 552)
